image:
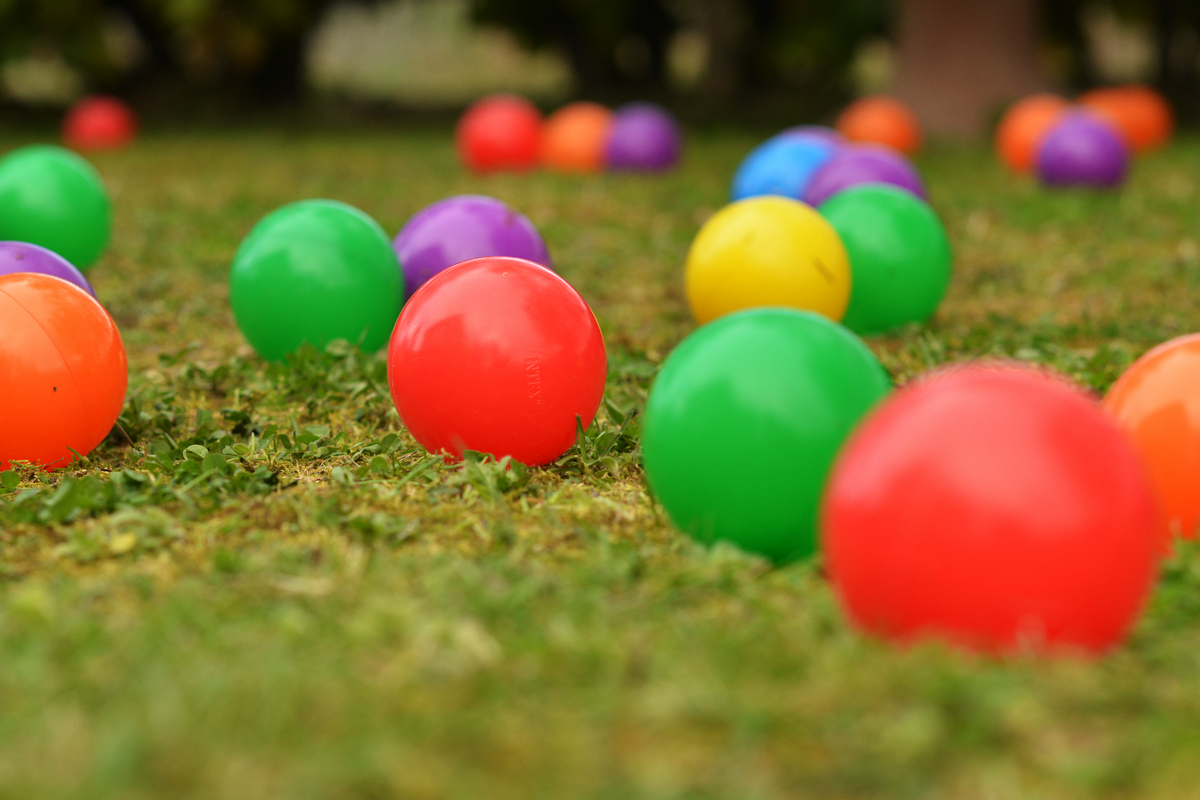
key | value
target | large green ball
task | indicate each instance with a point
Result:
(899, 256)
(315, 271)
(52, 197)
(743, 423)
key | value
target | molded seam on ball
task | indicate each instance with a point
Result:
(67, 364)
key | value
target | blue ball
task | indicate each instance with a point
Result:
(781, 165)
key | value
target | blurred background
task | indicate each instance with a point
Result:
(956, 62)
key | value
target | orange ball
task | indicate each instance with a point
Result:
(500, 132)
(1141, 114)
(1157, 403)
(63, 372)
(1024, 125)
(882, 120)
(574, 138)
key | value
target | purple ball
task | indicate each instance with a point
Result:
(854, 165)
(644, 137)
(819, 132)
(461, 228)
(1082, 150)
(25, 257)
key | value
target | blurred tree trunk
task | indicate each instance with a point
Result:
(959, 61)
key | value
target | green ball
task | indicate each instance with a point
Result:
(51, 197)
(315, 271)
(899, 256)
(744, 421)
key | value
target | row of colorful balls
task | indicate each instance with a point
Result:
(505, 132)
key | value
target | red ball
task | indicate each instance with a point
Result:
(99, 123)
(995, 507)
(499, 132)
(497, 355)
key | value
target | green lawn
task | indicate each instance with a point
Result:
(274, 593)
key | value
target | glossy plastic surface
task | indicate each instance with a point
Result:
(575, 137)
(744, 420)
(315, 271)
(783, 165)
(497, 355)
(1023, 126)
(1142, 114)
(828, 135)
(1082, 150)
(24, 257)
(501, 132)
(881, 120)
(645, 138)
(994, 507)
(461, 228)
(62, 371)
(52, 197)
(858, 164)
(1157, 403)
(766, 251)
(99, 122)
(899, 256)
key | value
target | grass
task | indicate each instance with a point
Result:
(274, 593)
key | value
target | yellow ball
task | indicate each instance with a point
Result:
(767, 251)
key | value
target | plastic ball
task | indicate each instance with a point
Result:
(1157, 403)
(501, 132)
(776, 392)
(881, 120)
(994, 507)
(783, 165)
(855, 165)
(1141, 114)
(52, 197)
(24, 257)
(644, 138)
(899, 256)
(315, 271)
(497, 355)
(99, 123)
(766, 251)
(63, 372)
(1082, 150)
(575, 137)
(461, 228)
(1024, 126)
(825, 134)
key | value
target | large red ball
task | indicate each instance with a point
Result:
(99, 123)
(995, 507)
(497, 355)
(499, 132)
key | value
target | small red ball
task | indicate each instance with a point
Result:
(500, 132)
(497, 355)
(995, 507)
(99, 123)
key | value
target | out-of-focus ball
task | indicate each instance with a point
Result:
(856, 165)
(778, 390)
(315, 271)
(1082, 150)
(24, 257)
(63, 372)
(497, 355)
(782, 165)
(1142, 114)
(1024, 126)
(767, 251)
(826, 134)
(99, 122)
(501, 132)
(881, 120)
(52, 197)
(899, 256)
(575, 137)
(461, 228)
(644, 138)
